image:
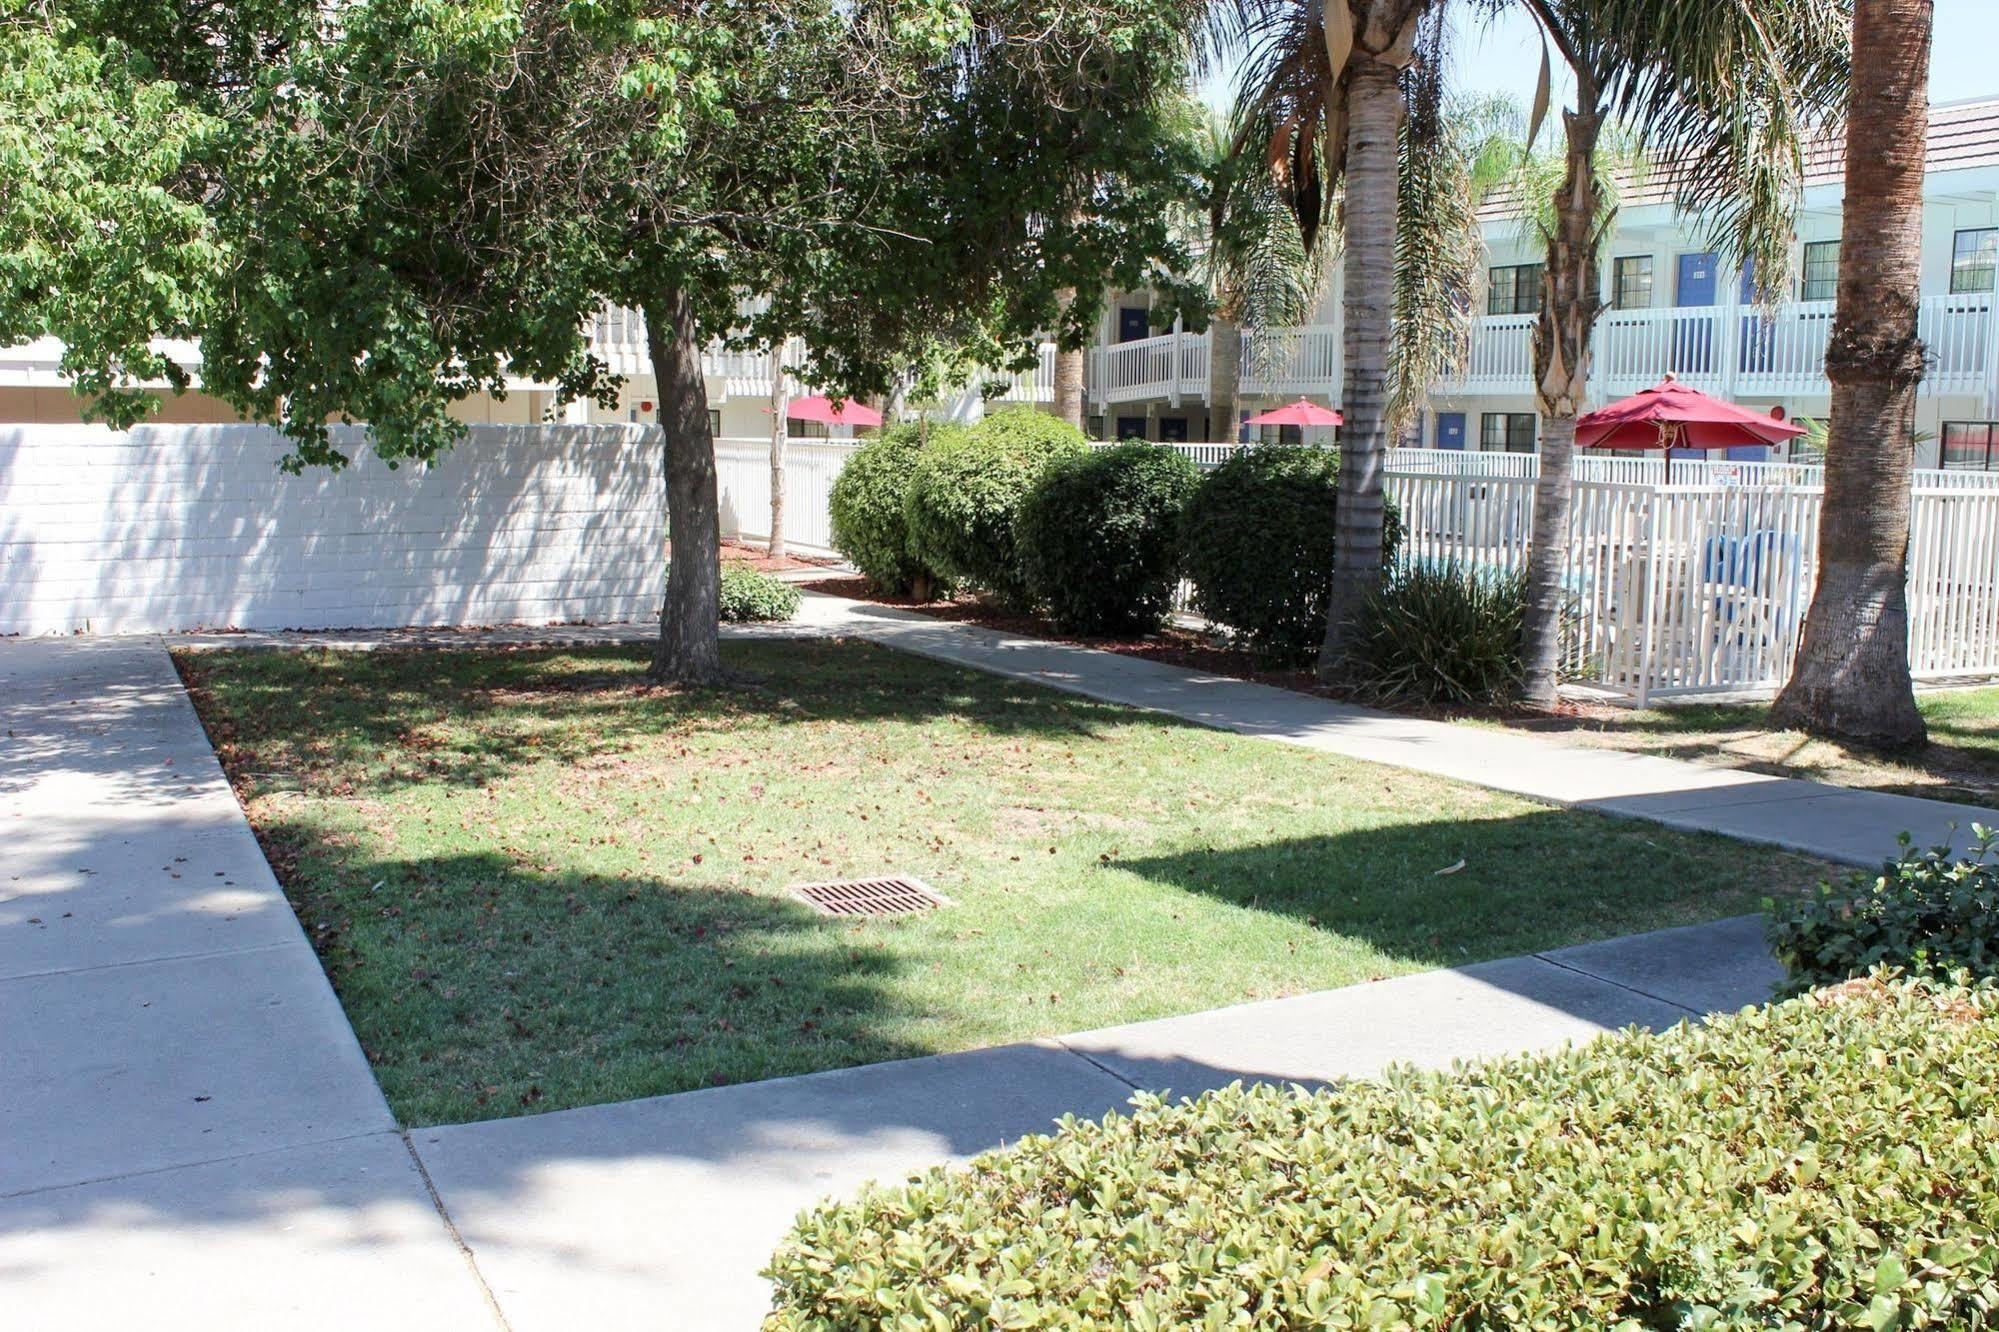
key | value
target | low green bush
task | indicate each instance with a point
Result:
(1099, 537)
(749, 595)
(965, 494)
(1258, 543)
(867, 505)
(1439, 634)
(1827, 1162)
(1928, 912)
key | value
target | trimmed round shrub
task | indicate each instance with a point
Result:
(1099, 537)
(1258, 538)
(965, 494)
(1926, 912)
(749, 595)
(1439, 634)
(868, 502)
(1822, 1163)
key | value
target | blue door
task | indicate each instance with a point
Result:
(1693, 337)
(1131, 427)
(1450, 430)
(1172, 430)
(1133, 322)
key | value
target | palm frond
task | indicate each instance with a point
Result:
(1288, 115)
(1727, 97)
(1621, 164)
(1452, 153)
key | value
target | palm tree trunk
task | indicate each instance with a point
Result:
(1569, 306)
(1224, 378)
(780, 437)
(1374, 117)
(1068, 371)
(690, 649)
(1851, 678)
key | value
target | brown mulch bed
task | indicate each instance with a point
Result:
(752, 555)
(1171, 646)
(1941, 772)
(1194, 650)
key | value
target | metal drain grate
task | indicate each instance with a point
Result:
(896, 895)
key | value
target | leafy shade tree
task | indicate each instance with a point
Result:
(1851, 678)
(1069, 355)
(91, 243)
(419, 201)
(1727, 95)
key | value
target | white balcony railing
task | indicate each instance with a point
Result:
(1306, 360)
(1730, 351)
(618, 335)
(1740, 351)
(1036, 385)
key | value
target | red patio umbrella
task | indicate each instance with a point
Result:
(818, 407)
(1670, 415)
(1299, 413)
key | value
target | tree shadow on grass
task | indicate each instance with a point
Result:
(481, 988)
(1448, 893)
(468, 717)
(1961, 759)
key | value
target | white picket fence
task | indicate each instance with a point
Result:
(1703, 588)
(1686, 578)
(742, 467)
(1641, 470)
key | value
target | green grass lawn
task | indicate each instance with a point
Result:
(538, 882)
(1961, 761)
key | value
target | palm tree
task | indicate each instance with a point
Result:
(1726, 94)
(1851, 677)
(1254, 266)
(1326, 78)
(1456, 151)
(1261, 277)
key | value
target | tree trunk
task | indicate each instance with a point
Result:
(690, 649)
(780, 434)
(1224, 379)
(1374, 119)
(1068, 370)
(1851, 678)
(1570, 304)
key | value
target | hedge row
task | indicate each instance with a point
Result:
(1019, 510)
(1830, 1161)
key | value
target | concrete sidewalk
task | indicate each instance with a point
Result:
(1854, 827)
(608, 1215)
(192, 1130)
(192, 1137)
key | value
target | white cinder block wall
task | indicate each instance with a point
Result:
(194, 526)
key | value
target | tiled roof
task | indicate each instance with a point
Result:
(1962, 135)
